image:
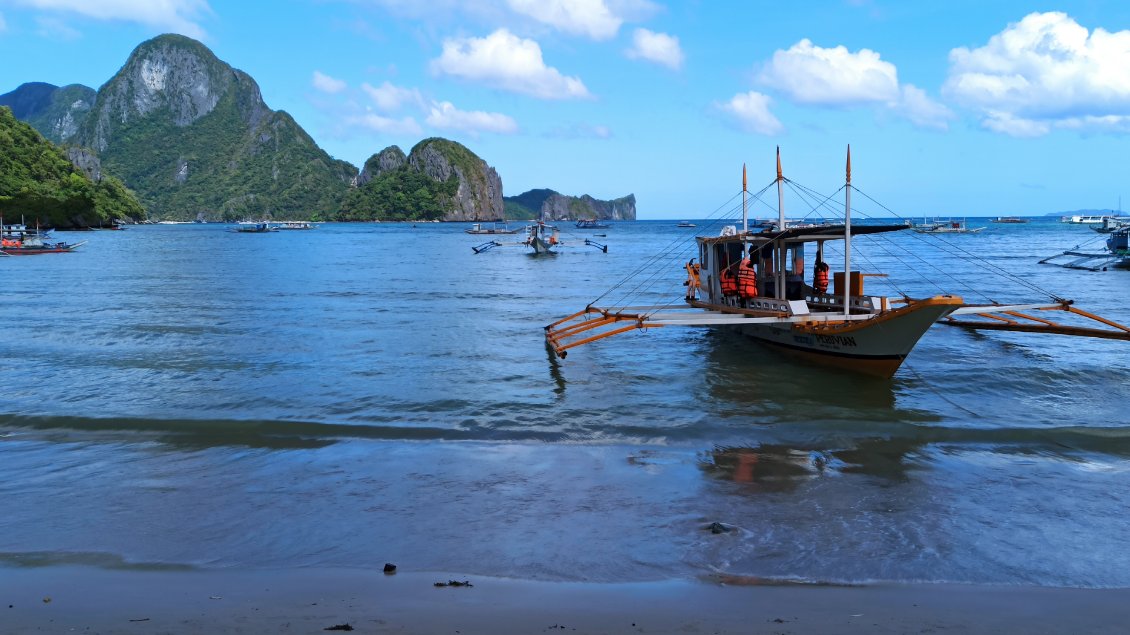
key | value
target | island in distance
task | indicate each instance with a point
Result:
(192, 137)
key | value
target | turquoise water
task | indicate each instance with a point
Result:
(371, 393)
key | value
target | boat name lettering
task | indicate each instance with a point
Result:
(835, 340)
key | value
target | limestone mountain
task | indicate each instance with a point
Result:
(40, 184)
(190, 134)
(547, 204)
(438, 180)
(55, 112)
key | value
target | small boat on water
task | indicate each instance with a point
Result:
(754, 282)
(295, 224)
(1083, 219)
(1111, 223)
(21, 230)
(1009, 219)
(541, 238)
(946, 227)
(35, 245)
(591, 223)
(497, 227)
(1116, 255)
(685, 223)
(247, 227)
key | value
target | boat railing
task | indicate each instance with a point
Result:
(827, 301)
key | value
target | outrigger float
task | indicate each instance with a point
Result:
(1115, 256)
(753, 281)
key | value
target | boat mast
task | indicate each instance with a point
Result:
(847, 237)
(745, 216)
(780, 251)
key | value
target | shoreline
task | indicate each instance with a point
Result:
(96, 600)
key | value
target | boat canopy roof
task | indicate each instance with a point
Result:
(803, 233)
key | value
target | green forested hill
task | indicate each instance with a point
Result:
(39, 183)
(192, 135)
(440, 179)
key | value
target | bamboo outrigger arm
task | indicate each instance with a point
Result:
(580, 324)
(1010, 318)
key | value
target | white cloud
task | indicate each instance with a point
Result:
(1045, 72)
(836, 77)
(385, 125)
(179, 16)
(445, 115)
(751, 111)
(656, 47)
(590, 18)
(505, 61)
(920, 110)
(328, 84)
(389, 97)
(808, 74)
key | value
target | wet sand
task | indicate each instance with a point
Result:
(64, 599)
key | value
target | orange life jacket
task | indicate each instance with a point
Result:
(729, 282)
(820, 277)
(747, 280)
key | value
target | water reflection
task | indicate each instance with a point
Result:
(749, 374)
(781, 467)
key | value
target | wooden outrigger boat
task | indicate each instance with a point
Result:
(35, 245)
(753, 281)
(541, 238)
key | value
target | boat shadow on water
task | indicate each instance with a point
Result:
(760, 380)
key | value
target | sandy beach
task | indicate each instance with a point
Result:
(93, 600)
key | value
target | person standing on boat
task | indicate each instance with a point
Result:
(747, 281)
(728, 279)
(820, 277)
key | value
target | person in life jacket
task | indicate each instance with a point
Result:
(747, 280)
(820, 277)
(693, 279)
(729, 281)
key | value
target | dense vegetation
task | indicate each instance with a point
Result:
(39, 184)
(218, 167)
(526, 205)
(400, 194)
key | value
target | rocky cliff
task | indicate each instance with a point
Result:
(479, 195)
(190, 134)
(55, 112)
(438, 180)
(550, 205)
(387, 160)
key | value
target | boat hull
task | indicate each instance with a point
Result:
(540, 246)
(877, 346)
(35, 252)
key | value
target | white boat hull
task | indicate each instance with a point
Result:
(876, 346)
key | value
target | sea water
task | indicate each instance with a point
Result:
(183, 396)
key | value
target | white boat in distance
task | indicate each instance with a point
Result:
(753, 281)
(1081, 219)
(946, 227)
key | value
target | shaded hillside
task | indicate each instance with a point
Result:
(191, 135)
(41, 185)
(55, 112)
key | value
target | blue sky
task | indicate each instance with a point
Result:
(952, 108)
